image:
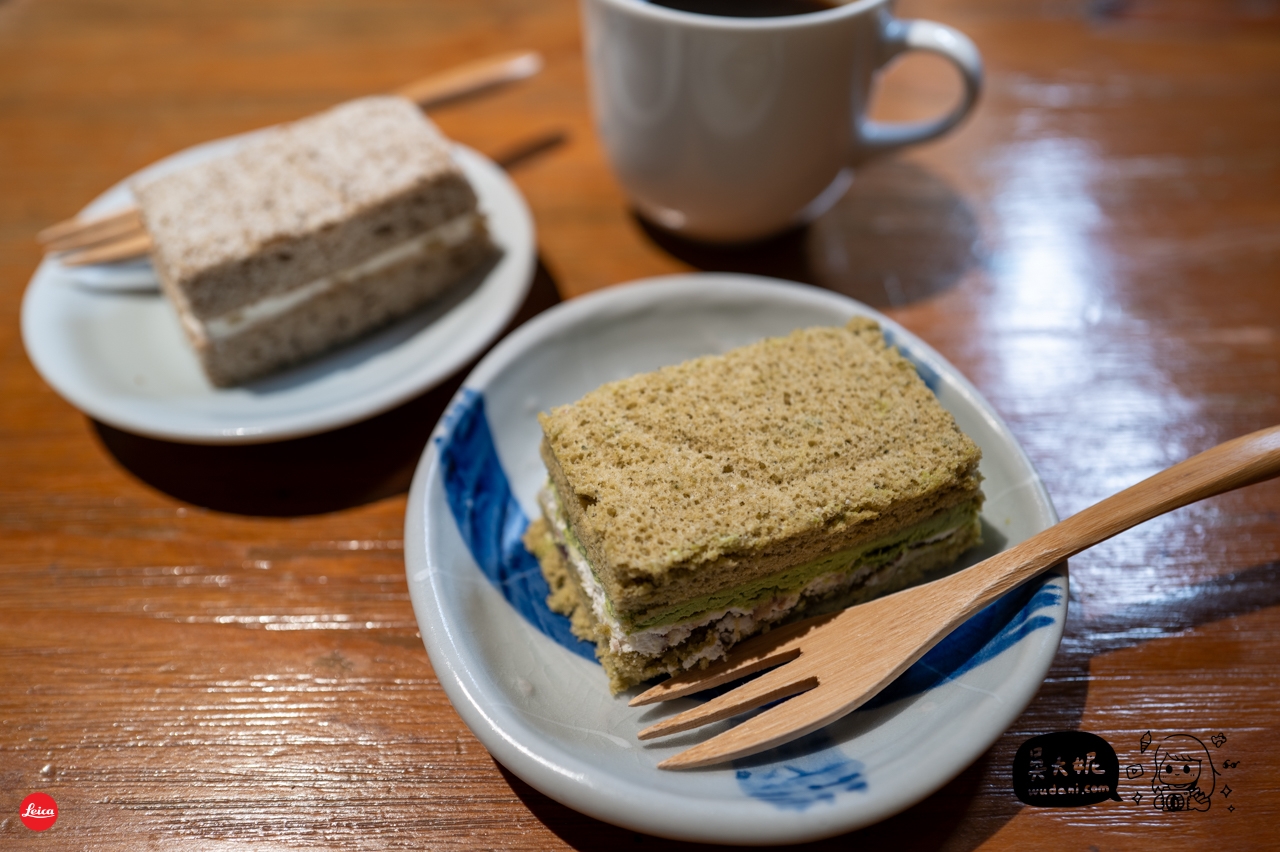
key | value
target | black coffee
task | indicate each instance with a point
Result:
(748, 8)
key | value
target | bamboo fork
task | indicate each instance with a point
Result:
(121, 235)
(837, 662)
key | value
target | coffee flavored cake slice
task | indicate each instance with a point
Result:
(311, 235)
(689, 508)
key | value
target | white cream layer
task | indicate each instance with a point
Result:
(732, 621)
(444, 236)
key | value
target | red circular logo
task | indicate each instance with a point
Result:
(38, 811)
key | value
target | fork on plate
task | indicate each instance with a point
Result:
(829, 665)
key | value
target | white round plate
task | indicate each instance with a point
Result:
(110, 344)
(535, 696)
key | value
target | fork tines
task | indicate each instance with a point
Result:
(831, 664)
(780, 645)
(79, 242)
(777, 684)
(121, 248)
(791, 719)
(79, 233)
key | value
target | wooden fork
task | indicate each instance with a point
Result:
(121, 235)
(835, 663)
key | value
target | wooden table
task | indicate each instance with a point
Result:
(204, 646)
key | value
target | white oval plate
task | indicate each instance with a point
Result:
(542, 707)
(113, 347)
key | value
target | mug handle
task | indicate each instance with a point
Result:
(899, 36)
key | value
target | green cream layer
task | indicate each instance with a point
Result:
(865, 559)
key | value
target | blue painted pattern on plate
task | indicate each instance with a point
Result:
(927, 374)
(799, 774)
(490, 519)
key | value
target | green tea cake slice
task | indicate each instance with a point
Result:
(691, 507)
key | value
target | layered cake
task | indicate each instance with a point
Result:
(311, 235)
(689, 508)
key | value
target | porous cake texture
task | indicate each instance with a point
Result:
(312, 234)
(693, 506)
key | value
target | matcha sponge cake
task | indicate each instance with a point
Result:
(691, 507)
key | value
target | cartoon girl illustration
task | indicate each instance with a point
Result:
(1184, 777)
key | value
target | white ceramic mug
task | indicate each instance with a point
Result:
(731, 129)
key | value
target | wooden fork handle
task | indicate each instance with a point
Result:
(472, 77)
(1234, 464)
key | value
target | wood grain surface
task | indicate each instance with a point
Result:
(206, 648)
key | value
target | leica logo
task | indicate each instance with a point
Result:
(38, 811)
